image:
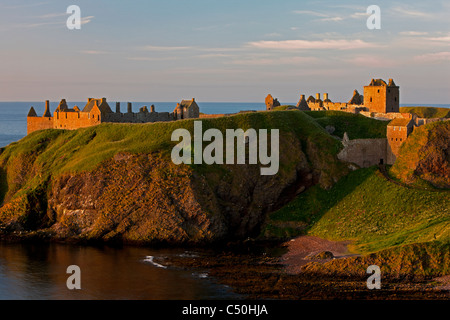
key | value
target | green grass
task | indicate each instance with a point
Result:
(425, 148)
(427, 112)
(357, 126)
(371, 211)
(83, 149)
(54, 152)
(283, 107)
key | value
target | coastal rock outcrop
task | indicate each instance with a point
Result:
(425, 155)
(143, 197)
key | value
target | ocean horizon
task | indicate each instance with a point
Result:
(13, 115)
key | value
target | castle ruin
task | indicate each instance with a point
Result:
(98, 111)
(379, 97)
(381, 101)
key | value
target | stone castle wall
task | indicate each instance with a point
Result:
(375, 98)
(39, 123)
(396, 136)
(72, 119)
(140, 117)
(386, 116)
(75, 120)
(364, 152)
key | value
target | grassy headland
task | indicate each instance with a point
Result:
(427, 112)
(56, 165)
(379, 217)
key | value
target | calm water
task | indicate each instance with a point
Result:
(13, 121)
(38, 271)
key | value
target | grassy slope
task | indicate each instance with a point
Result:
(404, 230)
(363, 206)
(283, 107)
(61, 151)
(427, 112)
(356, 126)
(426, 146)
(373, 212)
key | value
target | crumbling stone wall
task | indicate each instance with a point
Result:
(364, 152)
(39, 123)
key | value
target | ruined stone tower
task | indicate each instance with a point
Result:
(382, 97)
(398, 131)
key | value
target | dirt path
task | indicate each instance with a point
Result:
(302, 249)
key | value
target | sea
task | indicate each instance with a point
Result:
(38, 271)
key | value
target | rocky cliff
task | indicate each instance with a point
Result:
(425, 156)
(117, 182)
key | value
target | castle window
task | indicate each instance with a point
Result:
(370, 99)
(378, 90)
(395, 99)
(396, 139)
(400, 139)
(98, 118)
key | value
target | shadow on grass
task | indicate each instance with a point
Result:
(298, 216)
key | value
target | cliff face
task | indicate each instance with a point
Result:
(144, 197)
(426, 156)
(135, 198)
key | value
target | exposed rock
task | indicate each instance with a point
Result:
(323, 255)
(330, 129)
(426, 155)
(144, 197)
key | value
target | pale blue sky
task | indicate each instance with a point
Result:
(221, 50)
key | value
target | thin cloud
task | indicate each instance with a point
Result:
(52, 22)
(184, 48)
(273, 35)
(94, 52)
(307, 44)
(332, 19)
(441, 39)
(413, 33)
(164, 48)
(86, 20)
(324, 17)
(407, 12)
(276, 61)
(53, 15)
(372, 61)
(359, 15)
(310, 13)
(151, 58)
(434, 57)
(213, 55)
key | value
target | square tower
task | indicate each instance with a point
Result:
(382, 97)
(398, 131)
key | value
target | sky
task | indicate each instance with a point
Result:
(222, 50)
